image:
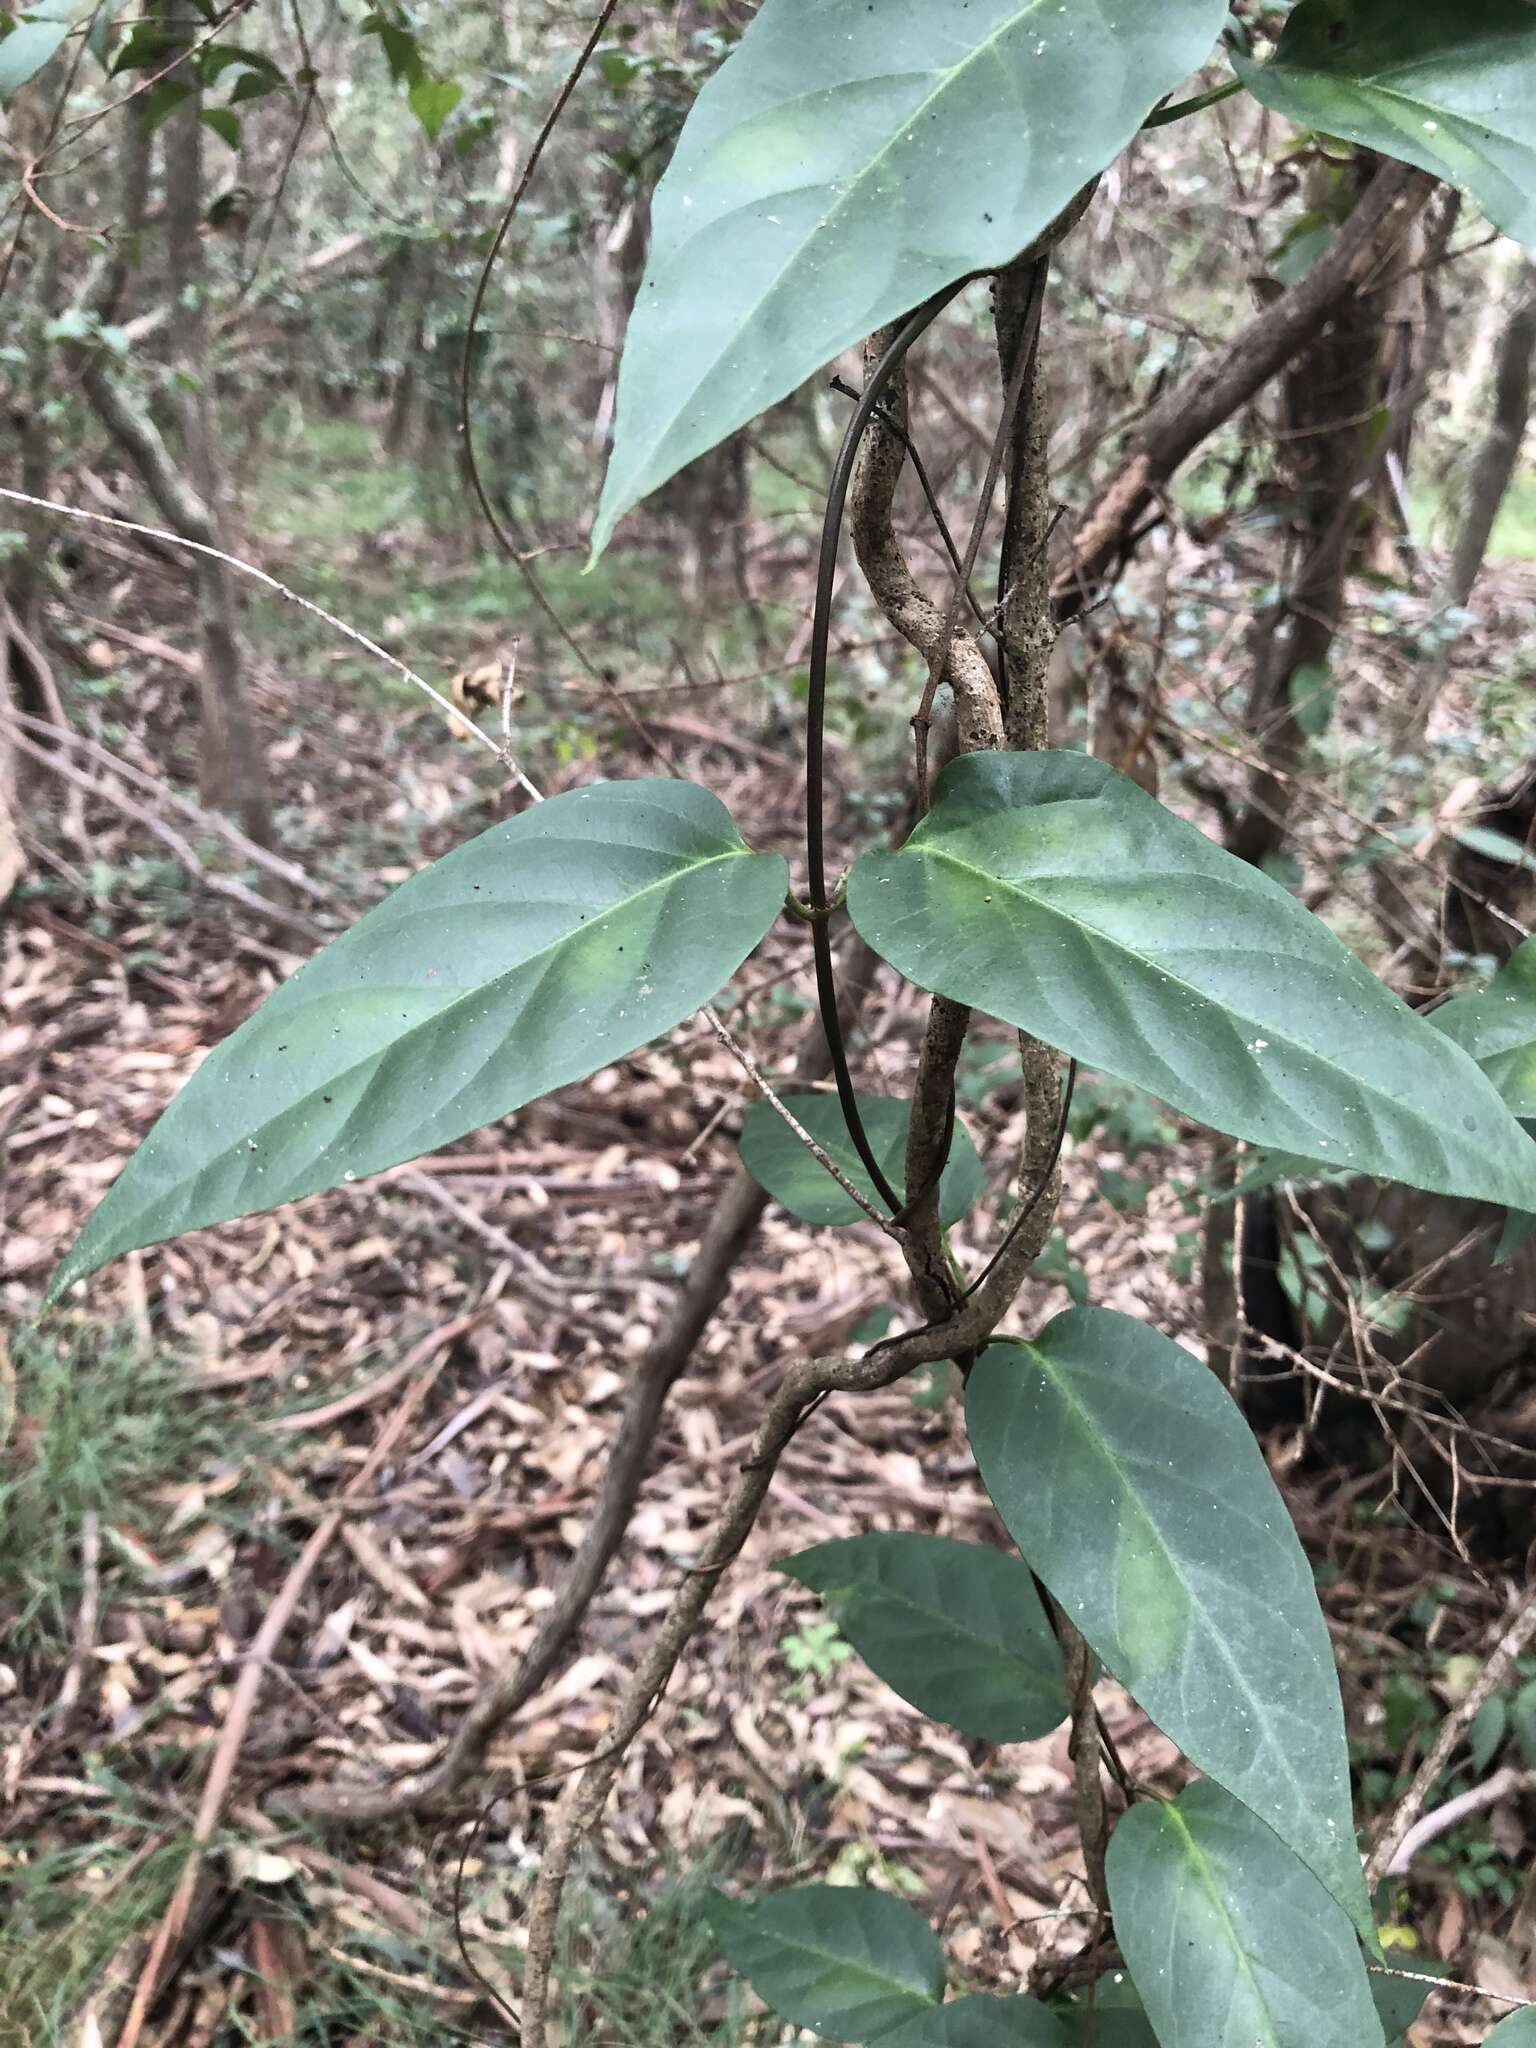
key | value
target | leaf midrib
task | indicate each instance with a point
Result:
(851, 190)
(864, 1589)
(869, 1971)
(427, 1024)
(1105, 1450)
(1078, 924)
(1206, 1879)
(1415, 108)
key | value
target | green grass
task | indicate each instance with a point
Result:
(65, 1911)
(94, 1425)
(633, 1974)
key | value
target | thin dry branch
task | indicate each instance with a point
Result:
(1520, 1633)
(305, 604)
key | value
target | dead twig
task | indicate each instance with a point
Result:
(1383, 1858)
(247, 1689)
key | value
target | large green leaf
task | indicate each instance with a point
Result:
(956, 1628)
(1231, 1941)
(1518, 2031)
(1050, 890)
(777, 1160)
(528, 958)
(1497, 1028)
(846, 162)
(844, 1961)
(1130, 1481)
(1449, 85)
(26, 48)
(980, 2023)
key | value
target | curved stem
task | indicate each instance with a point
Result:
(915, 325)
(1197, 105)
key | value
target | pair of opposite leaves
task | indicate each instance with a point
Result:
(1045, 889)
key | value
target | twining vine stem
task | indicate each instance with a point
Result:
(911, 330)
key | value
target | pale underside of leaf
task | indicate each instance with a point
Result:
(778, 1160)
(1052, 892)
(1497, 1028)
(1135, 1490)
(524, 960)
(845, 163)
(1232, 1942)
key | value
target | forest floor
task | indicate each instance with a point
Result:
(168, 1442)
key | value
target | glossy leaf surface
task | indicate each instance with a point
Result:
(848, 161)
(1134, 1488)
(526, 959)
(777, 1160)
(1449, 85)
(956, 1629)
(1232, 1942)
(844, 1961)
(1051, 891)
(1517, 2031)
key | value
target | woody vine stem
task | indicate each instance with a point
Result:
(992, 709)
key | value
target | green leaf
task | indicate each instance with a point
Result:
(530, 957)
(1398, 2004)
(223, 123)
(1497, 1028)
(778, 1162)
(217, 58)
(1493, 845)
(432, 101)
(980, 2022)
(1232, 1942)
(1449, 85)
(1518, 2031)
(1051, 891)
(956, 1629)
(1522, 1714)
(1485, 1737)
(1118, 2025)
(25, 50)
(846, 1962)
(1312, 698)
(162, 100)
(401, 49)
(846, 162)
(1133, 1486)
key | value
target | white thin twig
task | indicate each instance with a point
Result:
(1520, 1633)
(306, 604)
(285, 870)
(1447, 1984)
(1443, 1818)
(764, 1086)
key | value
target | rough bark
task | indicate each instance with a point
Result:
(1198, 404)
(1331, 448)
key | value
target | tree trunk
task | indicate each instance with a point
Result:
(1330, 396)
(1500, 452)
(13, 862)
(232, 771)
